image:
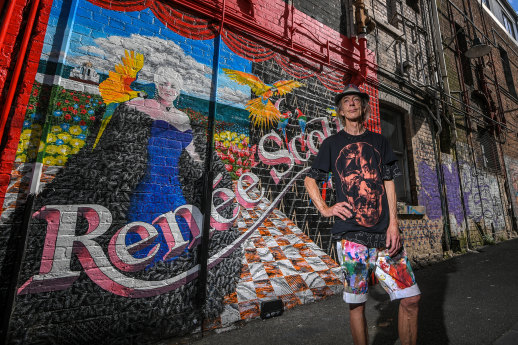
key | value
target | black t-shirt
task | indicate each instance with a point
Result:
(359, 164)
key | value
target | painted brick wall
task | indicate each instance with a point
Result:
(114, 139)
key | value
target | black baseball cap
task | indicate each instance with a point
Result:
(350, 89)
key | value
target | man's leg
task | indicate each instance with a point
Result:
(358, 324)
(397, 278)
(407, 320)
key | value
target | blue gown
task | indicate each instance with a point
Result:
(160, 191)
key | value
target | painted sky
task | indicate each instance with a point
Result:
(99, 36)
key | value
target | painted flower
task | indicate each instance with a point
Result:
(228, 167)
(77, 118)
(65, 137)
(51, 149)
(65, 126)
(75, 130)
(42, 146)
(68, 117)
(77, 143)
(36, 116)
(82, 123)
(64, 150)
(83, 127)
(59, 142)
(81, 136)
(74, 150)
(49, 160)
(91, 112)
(20, 148)
(75, 105)
(26, 124)
(51, 138)
(20, 158)
(92, 118)
(26, 135)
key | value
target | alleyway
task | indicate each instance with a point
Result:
(470, 299)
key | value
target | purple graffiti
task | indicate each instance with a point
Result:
(429, 194)
(451, 180)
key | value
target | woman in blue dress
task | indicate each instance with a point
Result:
(160, 190)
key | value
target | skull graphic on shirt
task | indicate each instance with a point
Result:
(358, 166)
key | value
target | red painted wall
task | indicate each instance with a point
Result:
(8, 57)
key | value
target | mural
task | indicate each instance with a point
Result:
(115, 139)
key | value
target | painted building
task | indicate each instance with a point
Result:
(135, 123)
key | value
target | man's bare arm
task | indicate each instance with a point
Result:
(393, 237)
(340, 209)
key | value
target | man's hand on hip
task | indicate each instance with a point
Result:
(340, 209)
(393, 243)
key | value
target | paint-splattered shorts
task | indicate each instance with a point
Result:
(358, 262)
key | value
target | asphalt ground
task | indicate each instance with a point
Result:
(469, 299)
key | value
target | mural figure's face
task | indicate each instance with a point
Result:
(357, 165)
(167, 91)
(350, 107)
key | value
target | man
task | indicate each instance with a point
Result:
(363, 167)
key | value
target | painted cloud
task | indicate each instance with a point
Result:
(157, 52)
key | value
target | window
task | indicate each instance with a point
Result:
(392, 12)
(507, 71)
(392, 129)
(414, 4)
(486, 2)
(508, 25)
(489, 151)
(466, 63)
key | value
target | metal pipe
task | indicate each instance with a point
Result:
(203, 256)
(465, 103)
(20, 59)
(6, 21)
(20, 245)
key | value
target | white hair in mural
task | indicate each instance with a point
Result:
(166, 74)
(159, 55)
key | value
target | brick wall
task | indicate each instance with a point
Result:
(487, 199)
(114, 137)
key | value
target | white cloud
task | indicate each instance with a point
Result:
(157, 53)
